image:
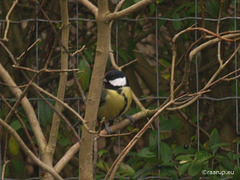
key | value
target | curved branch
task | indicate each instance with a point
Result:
(29, 152)
(90, 6)
(27, 108)
(67, 157)
(127, 11)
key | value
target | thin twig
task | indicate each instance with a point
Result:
(45, 70)
(80, 88)
(61, 116)
(9, 52)
(18, 58)
(4, 167)
(22, 123)
(29, 152)
(125, 65)
(65, 105)
(78, 51)
(112, 171)
(13, 109)
(217, 32)
(118, 135)
(8, 20)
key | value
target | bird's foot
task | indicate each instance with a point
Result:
(130, 118)
(107, 128)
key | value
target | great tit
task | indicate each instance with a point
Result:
(116, 97)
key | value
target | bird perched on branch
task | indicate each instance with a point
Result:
(116, 97)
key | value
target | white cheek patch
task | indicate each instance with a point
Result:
(119, 82)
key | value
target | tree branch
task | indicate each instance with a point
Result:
(127, 11)
(67, 157)
(48, 156)
(29, 152)
(27, 108)
(90, 6)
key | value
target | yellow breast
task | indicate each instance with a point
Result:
(117, 102)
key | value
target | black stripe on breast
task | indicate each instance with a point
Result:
(126, 101)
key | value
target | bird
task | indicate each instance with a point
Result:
(116, 97)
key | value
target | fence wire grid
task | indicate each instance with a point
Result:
(76, 20)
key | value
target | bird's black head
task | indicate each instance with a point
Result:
(115, 79)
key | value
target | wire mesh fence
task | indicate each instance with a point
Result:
(152, 43)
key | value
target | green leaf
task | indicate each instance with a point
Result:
(126, 170)
(84, 74)
(123, 54)
(16, 125)
(88, 55)
(169, 171)
(159, 1)
(102, 151)
(183, 168)
(169, 124)
(220, 144)
(226, 163)
(153, 140)
(18, 167)
(152, 8)
(195, 169)
(187, 157)
(236, 141)
(146, 153)
(165, 152)
(136, 1)
(13, 146)
(213, 140)
(46, 113)
(236, 172)
(232, 156)
(64, 141)
(176, 24)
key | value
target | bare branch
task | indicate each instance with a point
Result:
(18, 58)
(9, 52)
(80, 88)
(27, 108)
(44, 70)
(22, 123)
(125, 151)
(65, 105)
(78, 51)
(129, 10)
(8, 20)
(3, 169)
(29, 152)
(90, 6)
(210, 42)
(67, 157)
